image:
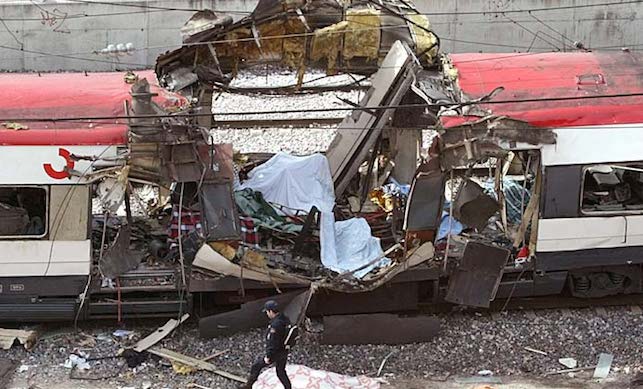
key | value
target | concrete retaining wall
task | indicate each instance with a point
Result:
(63, 35)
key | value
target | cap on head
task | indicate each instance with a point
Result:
(270, 305)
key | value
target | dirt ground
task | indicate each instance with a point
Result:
(612, 382)
(617, 382)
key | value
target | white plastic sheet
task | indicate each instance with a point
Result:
(295, 182)
(304, 182)
(303, 377)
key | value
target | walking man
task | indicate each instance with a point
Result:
(276, 351)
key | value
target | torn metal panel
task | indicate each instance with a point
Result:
(424, 206)
(488, 137)
(498, 128)
(218, 161)
(118, 259)
(219, 211)
(357, 133)
(111, 191)
(298, 307)
(379, 328)
(247, 317)
(202, 24)
(472, 206)
(183, 163)
(325, 34)
(477, 277)
(207, 258)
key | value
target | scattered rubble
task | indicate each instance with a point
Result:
(27, 338)
(467, 344)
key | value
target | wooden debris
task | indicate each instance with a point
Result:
(26, 338)
(379, 371)
(533, 350)
(159, 334)
(217, 354)
(570, 370)
(193, 385)
(173, 356)
(603, 366)
(601, 311)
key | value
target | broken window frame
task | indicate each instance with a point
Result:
(45, 220)
(615, 166)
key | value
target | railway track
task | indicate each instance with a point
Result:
(270, 123)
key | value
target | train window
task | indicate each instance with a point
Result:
(23, 212)
(613, 189)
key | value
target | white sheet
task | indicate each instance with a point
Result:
(302, 377)
(304, 182)
(296, 182)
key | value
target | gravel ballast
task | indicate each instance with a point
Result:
(467, 344)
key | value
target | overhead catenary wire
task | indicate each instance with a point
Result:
(347, 108)
(413, 12)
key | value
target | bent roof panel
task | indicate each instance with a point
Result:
(555, 75)
(68, 95)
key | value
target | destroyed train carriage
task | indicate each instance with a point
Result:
(540, 167)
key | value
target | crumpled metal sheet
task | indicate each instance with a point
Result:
(219, 211)
(491, 136)
(118, 258)
(249, 315)
(476, 280)
(324, 34)
(472, 206)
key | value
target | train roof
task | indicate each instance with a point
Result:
(69, 95)
(542, 76)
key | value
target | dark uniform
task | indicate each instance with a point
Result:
(276, 351)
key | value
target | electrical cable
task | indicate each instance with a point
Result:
(89, 279)
(113, 62)
(348, 108)
(414, 12)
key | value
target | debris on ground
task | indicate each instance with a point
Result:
(76, 362)
(27, 338)
(603, 366)
(302, 376)
(159, 334)
(7, 368)
(186, 365)
(467, 343)
(569, 363)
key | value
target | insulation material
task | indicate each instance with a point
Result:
(295, 47)
(327, 43)
(425, 42)
(305, 377)
(362, 38)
